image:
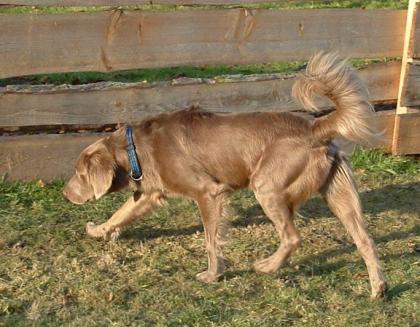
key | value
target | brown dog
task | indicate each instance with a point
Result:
(284, 158)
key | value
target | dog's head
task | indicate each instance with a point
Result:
(95, 172)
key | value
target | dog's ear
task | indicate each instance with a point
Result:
(101, 170)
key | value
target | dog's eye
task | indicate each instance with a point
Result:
(80, 175)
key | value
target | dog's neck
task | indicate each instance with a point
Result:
(136, 172)
(118, 141)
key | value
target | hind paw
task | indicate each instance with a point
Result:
(380, 291)
(266, 266)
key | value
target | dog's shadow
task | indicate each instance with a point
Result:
(149, 233)
(317, 265)
(321, 268)
(391, 197)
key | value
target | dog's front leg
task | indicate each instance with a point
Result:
(211, 208)
(134, 207)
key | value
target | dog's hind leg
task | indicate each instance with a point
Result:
(211, 205)
(342, 198)
(281, 213)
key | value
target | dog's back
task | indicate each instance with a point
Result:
(229, 147)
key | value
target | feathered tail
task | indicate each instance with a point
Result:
(329, 76)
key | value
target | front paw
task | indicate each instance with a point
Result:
(93, 230)
(207, 277)
(115, 234)
(97, 231)
(380, 291)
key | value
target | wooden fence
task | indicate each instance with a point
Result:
(123, 39)
(406, 138)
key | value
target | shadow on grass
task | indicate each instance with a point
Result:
(397, 290)
(146, 233)
(397, 235)
(318, 267)
(390, 197)
(322, 269)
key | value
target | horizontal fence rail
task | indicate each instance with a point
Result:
(107, 103)
(109, 41)
(42, 156)
(139, 2)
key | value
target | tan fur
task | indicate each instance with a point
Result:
(327, 75)
(284, 158)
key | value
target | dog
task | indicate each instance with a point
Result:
(284, 158)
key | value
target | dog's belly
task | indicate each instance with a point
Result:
(234, 174)
(230, 162)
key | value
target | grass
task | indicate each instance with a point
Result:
(52, 274)
(169, 73)
(154, 75)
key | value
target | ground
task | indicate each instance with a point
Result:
(52, 274)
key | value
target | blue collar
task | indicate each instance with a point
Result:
(136, 172)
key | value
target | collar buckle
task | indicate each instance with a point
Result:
(134, 178)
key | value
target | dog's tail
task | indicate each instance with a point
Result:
(329, 76)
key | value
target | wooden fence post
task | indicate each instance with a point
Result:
(408, 113)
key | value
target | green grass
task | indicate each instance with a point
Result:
(377, 163)
(165, 74)
(154, 75)
(52, 274)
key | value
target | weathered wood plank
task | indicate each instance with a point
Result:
(408, 134)
(406, 77)
(108, 41)
(411, 92)
(105, 104)
(53, 156)
(407, 54)
(136, 2)
(44, 157)
(385, 121)
(415, 49)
